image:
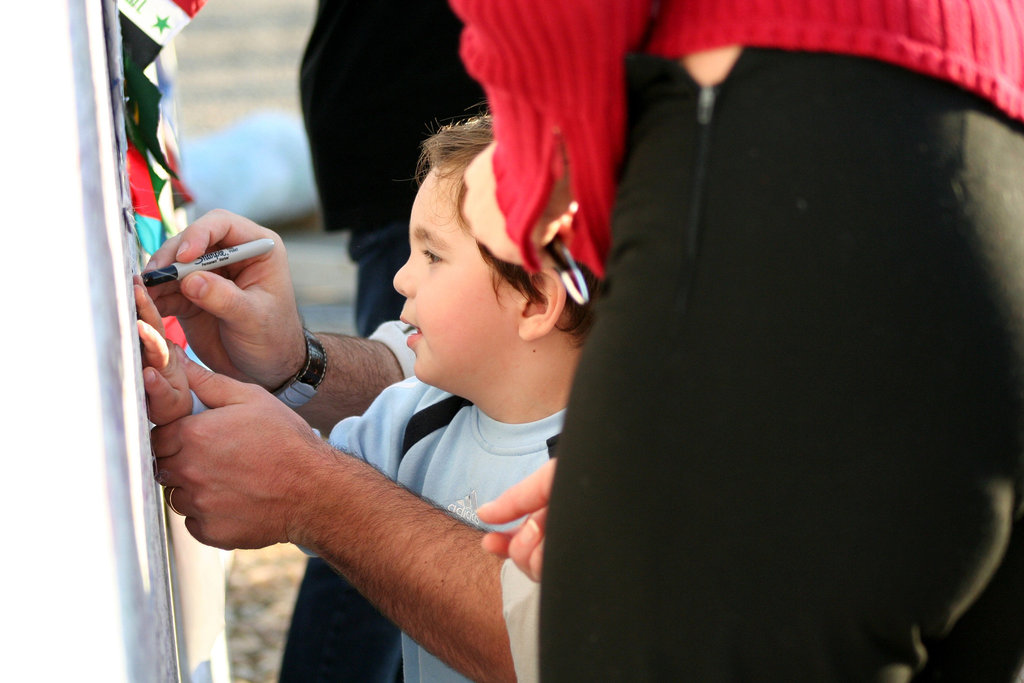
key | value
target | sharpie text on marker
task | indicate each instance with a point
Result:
(215, 259)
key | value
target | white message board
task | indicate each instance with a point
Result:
(85, 575)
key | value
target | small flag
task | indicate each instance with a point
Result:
(148, 25)
(174, 332)
(146, 187)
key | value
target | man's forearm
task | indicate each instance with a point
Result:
(422, 568)
(357, 371)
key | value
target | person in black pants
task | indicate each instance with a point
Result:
(375, 78)
(820, 476)
(838, 357)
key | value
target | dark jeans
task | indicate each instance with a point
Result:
(379, 254)
(335, 634)
(793, 448)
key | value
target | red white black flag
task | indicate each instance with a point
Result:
(148, 25)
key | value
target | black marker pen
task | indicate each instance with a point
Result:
(215, 259)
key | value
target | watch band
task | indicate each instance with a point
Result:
(301, 388)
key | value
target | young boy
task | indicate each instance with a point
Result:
(496, 349)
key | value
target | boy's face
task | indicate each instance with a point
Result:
(462, 326)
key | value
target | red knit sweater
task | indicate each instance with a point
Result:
(556, 68)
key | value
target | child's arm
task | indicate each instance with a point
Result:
(163, 370)
(524, 544)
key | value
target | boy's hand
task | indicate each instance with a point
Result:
(163, 370)
(244, 471)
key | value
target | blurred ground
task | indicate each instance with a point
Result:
(238, 57)
(261, 590)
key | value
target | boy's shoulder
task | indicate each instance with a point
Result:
(381, 434)
(409, 397)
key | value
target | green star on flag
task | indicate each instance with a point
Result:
(148, 25)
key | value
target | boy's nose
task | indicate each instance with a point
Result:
(401, 280)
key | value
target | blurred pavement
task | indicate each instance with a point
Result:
(241, 57)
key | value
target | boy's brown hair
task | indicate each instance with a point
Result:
(448, 152)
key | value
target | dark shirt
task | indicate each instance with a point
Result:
(377, 78)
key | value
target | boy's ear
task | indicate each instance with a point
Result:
(538, 318)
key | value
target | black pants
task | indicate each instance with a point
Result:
(793, 449)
